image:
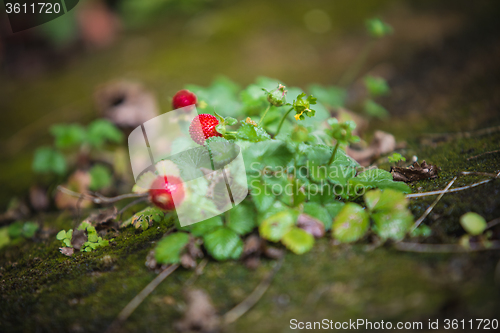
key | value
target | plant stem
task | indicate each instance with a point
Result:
(264, 115)
(332, 158)
(282, 121)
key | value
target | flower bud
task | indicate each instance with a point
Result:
(277, 97)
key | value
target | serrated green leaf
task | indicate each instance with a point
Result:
(351, 223)
(205, 227)
(318, 212)
(334, 208)
(168, 250)
(221, 151)
(68, 136)
(277, 225)
(392, 224)
(49, 160)
(101, 131)
(473, 223)
(242, 219)
(252, 133)
(378, 178)
(271, 154)
(190, 161)
(376, 86)
(261, 196)
(223, 244)
(298, 241)
(375, 110)
(100, 177)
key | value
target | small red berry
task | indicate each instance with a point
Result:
(166, 191)
(203, 127)
(183, 98)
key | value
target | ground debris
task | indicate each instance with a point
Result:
(415, 172)
(200, 315)
(381, 144)
(311, 225)
(67, 251)
(103, 219)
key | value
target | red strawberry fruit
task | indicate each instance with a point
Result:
(203, 127)
(183, 98)
(165, 191)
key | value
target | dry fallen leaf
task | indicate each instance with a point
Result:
(67, 251)
(200, 315)
(414, 172)
(311, 225)
(78, 239)
(103, 219)
(126, 104)
(382, 143)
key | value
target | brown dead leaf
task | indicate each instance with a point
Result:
(415, 172)
(273, 252)
(126, 104)
(382, 143)
(311, 225)
(103, 219)
(78, 239)
(67, 251)
(200, 315)
(187, 261)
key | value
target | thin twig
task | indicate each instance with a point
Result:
(485, 153)
(137, 300)
(130, 204)
(232, 315)
(99, 199)
(431, 207)
(426, 194)
(493, 223)
(443, 248)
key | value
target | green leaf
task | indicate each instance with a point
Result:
(15, 230)
(378, 28)
(351, 223)
(148, 214)
(298, 241)
(396, 157)
(375, 110)
(68, 136)
(473, 223)
(100, 177)
(391, 200)
(205, 227)
(271, 154)
(221, 151)
(376, 86)
(422, 231)
(330, 96)
(392, 224)
(49, 160)
(252, 133)
(190, 161)
(29, 229)
(261, 195)
(242, 219)
(378, 178)
(277, 225)
(168, 250)
(4, 237)
(317, 211)
(223, 244)
(371, 198)
(101, 131)
(334, 208)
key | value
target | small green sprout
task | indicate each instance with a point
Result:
(65, 237)
(378, 28)
(396, 157)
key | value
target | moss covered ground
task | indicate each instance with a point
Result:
(44, 291)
